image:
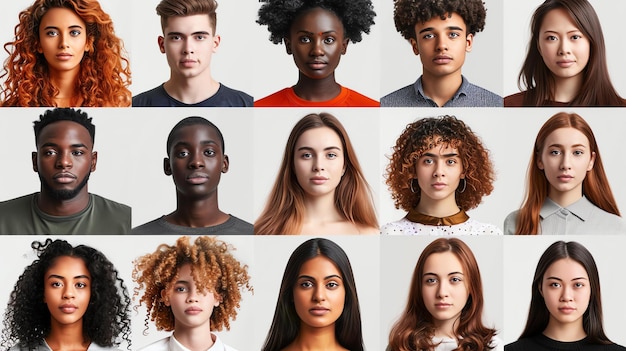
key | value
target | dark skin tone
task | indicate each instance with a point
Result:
(64, 158)
(196, 163)
(317, 42)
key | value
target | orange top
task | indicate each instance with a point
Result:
(288, 98)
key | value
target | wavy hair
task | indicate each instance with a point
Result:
(284, 211)
(537, 79)
(427, 133)
(286, 323)
(213, 268)
(595, 185)
(415, 328)
(106, 321)
(538, 314)
(104, 74)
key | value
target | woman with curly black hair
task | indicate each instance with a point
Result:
(70, 298)
(439, 169)
(316, 33)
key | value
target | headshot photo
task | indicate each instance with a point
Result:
(65, 54)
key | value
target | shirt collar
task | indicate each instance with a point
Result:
(463, 89)
(175, 345)
(581, 208)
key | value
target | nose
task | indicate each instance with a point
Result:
(318, 165)
(188, 47)
(439, 170)
(318, 293)
(564, 47)
(442, 290)
(196, 160)
(442, 43)
(193, 296)
(64, 160)
(68, 292)
(566, 162)
(566, 294)
(317, 48)
(62, 42)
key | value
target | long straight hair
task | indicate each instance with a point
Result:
(284, 210)
(595, 185)
(415, 328)
(538, 314)
(286, 323)
(537, 79)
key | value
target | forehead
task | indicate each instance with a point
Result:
(320, 136)
(65, 131)
(196, 134)
(189, 24)
(442, 263)
(319, 266)
(557, 18)
(566, 269)
(60, 15)
(566, 136)
(437, 23)
(69, 263)
(317, 20)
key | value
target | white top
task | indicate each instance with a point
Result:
(43, 346)
(581, 217)
(449, 344)
(171, 344)
(469, 227)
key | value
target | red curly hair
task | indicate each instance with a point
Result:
(425, 134)
(104, 74)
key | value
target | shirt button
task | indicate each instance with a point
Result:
(564, 212)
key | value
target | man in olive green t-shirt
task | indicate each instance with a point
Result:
(64, 160)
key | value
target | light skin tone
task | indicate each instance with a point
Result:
(565, 51)
(319, 296)
(565, 159)
(319, 165)
(64, 159)
(316, 41)
(67, 291)
(189, 42)
(192, 311)
(196, 164)
(63, 42)
(439, 171)
(442, 45)
(444, 291)
(566, 291)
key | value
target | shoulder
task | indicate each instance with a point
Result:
(481, 97)
(226, 96)
(235, 225)
(510, 222)
(401, 227)
(278, 98)
(474, 227)
(403, 97)
(155, 226)
(96, 347)
(521, 345)
(103, 204)
(19, 202)
(515, 100)
(160, 345)
(153, 97)
(356, 99)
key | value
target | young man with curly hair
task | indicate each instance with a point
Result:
(189, 41)
(192, 289)
(441, 32)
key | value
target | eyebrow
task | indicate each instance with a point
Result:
(203, 142)
(194, 33)
(561, 145)
(569, 31)
(311, 33)
(72, 26)
(436, 275)
(56, 145)
(431, 29)
(559, 279)
(325, 278)
(325, 149)
(444, 155)
(82, 276)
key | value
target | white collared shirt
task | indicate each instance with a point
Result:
(171, 344)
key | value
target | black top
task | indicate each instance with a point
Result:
(541, 342)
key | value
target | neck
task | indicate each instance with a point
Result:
(191, 90)
(317, 89)
(310, 339)
(441, 88)
(566, 198)
(566, 89)
(566, 332)
(197, 213)
(321, 209)
(438, 208)
(55, 207)
(67, 337)
(65, 82)
(195, 339)
(446, 329)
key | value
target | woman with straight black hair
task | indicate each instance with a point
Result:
(317, 303)
(565, 308)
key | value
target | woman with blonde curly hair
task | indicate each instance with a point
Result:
(192, 289)
(439, 169)
(65, 54)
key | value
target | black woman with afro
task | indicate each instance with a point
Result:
(316, 33)
(69, 298)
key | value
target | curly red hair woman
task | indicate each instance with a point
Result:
(65, 53)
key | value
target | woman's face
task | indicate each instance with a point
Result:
(191, 308)
(319, 161)
(439, 171)
(67, 290)
(62, 39)
(563, 47)
(319, 294)
(444, 288)
(316, 41)
(566, 158)
(566, 291)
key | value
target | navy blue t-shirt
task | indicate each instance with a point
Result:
(224, 97)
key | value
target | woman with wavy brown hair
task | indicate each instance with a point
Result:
(65, 54)
(567, 191)
(320, 188)
(445, 304)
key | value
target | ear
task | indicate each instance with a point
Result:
(218, 299)
(469, 41)
(540, 164)
(164, 298)
(167, 168)
(216, 42)
(344, 46)
(287, 45)
(89, 44)
(540, 290)
(94, 160)
(34, 159)
(225, 164)
(416, 49)
(161, 42)
(592, 161)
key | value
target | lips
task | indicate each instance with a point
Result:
(318, 180)
(443, 306)
(319, 311)
(565, 63)
(64, 177)
(442, 60)
(68, 308)
(193, 310)
(317, 65)
(188, 63)
(197, 178)
(567, 309)
(565, 177)
(439, 185)
(64, 56)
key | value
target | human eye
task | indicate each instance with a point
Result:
(428, 161)
(52, 32)
(210, 152)
(428, 36)
(180, 288)
(430, 281)
(75, 32)
(304, 39)
(456, 280)
(454, 35)
(306, 155)
(78, 152)
(579, 285)
(332, 155)
(182, 153)
(49, 152)
(81, 285)
(329, 40)
(451, 161)
(555, 285)
(201, 37)
(306, 284)
(56, 284)
(175, 37)
(576, 37)
(555, 152)
(578, 152)
(332, 285)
